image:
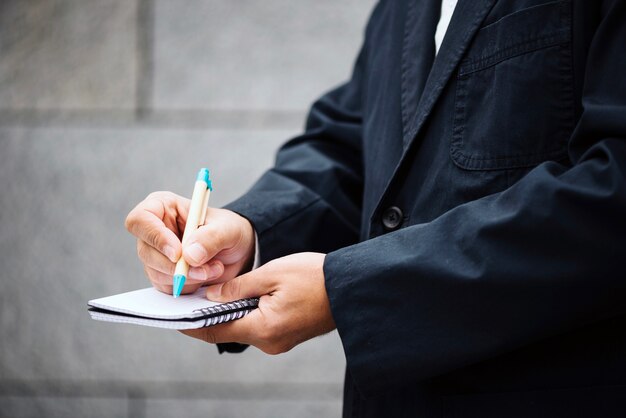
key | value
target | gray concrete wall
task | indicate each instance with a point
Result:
(102, 102)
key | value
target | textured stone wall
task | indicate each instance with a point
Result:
(102, 102)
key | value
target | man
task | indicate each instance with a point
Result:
(461, 221)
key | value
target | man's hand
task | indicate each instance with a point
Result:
(293, 305)
(217, 251)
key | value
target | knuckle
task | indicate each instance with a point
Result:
(168, 268)
(267, 349)
(157, 284)
(130, 221)
(142, 250)
(232, 289)
(165, 197)
(155, 195)
(209, 336)
(275, 348)
(153, 237)
(236, 287)
(283, 348)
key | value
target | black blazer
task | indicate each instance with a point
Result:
(475, 217)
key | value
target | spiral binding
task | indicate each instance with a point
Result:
(228, 311)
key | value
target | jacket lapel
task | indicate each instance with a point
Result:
(466, 19)
(465, 22)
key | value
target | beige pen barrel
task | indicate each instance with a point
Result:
(197, 213)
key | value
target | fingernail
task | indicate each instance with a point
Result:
(215, 270)
(197, 273)
(214, 291)
(196, 252)
(170, 253)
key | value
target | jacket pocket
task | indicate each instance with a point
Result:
(514, 104)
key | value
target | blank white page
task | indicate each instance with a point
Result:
(151, 303)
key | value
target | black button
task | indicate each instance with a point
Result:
(392, 217)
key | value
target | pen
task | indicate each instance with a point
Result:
(197, 213)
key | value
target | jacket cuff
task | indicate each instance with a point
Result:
(231, 347)
(347, 307)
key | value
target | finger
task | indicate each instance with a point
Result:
(157, 277)
(225, 236)
(163, 279)
(206, 242)
(227, 273)
(253, 284)
(242, 331)
(169, 289)
(154, 259)
(163, 288)
(190, 288)
(210, 271)
(230, 272)
(146, 223)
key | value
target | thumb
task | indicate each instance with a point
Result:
(205, 243)
(253, 284)
(225, 234)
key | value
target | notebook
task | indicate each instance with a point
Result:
(152, 308)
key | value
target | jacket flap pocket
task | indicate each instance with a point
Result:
(523, 31)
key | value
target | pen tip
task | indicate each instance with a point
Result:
(178, 284)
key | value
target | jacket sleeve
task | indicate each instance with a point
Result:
(311, 199)
(538, 259)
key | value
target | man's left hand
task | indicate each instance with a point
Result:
(293, 305)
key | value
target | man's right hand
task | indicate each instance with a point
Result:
(217, 252)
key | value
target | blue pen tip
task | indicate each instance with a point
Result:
(179, 282)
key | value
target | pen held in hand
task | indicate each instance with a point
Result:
(197, 213)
